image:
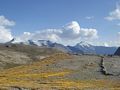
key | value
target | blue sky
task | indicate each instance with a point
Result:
(37, 15)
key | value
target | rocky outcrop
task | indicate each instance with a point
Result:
(111, 66)
(117, 52)
(103, 68)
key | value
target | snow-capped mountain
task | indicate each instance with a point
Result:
(75, 50)
(47, 43)
(44, 43)
(79, 48)
(90, 49)
(85, 47)
(61, 47)
(83, 44)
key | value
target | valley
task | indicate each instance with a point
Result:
(59, 44)
(56, 70)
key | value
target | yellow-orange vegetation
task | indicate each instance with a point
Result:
(38, 77)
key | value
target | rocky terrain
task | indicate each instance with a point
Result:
(26, 67)
(20, 54)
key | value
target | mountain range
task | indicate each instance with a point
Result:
(80, 48)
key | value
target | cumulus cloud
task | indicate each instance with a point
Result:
(24, 37)
(70, 30)
(106, 44)
(49, 34)
(5, 22)
(68, 33)
(5, 32)
(115, 14)
(89, 33)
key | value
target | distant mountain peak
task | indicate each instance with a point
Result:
(84, 44)
(85, 47)
(82, 47)
(40, 42)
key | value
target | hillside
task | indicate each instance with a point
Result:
(20, 54)
(64, 72)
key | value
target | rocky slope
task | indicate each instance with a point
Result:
(64, 72)
(117, 52)
(20, 54)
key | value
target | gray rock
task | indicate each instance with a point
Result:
(112, 65)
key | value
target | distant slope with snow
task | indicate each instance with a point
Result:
(85, 47)
(80, 48)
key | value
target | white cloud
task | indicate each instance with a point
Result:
(115, 14)
(114, 43)
(5, 22)
(106, 44)
(89, 33)
(5, 32)
(68, 33)
(73, 26)
(49, 34)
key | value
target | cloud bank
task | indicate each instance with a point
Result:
(68, 33)
(5, 32)
(115, 14)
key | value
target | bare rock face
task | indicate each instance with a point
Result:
(117, 52)
(112, 65)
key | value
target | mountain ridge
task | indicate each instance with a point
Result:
(80, 48)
